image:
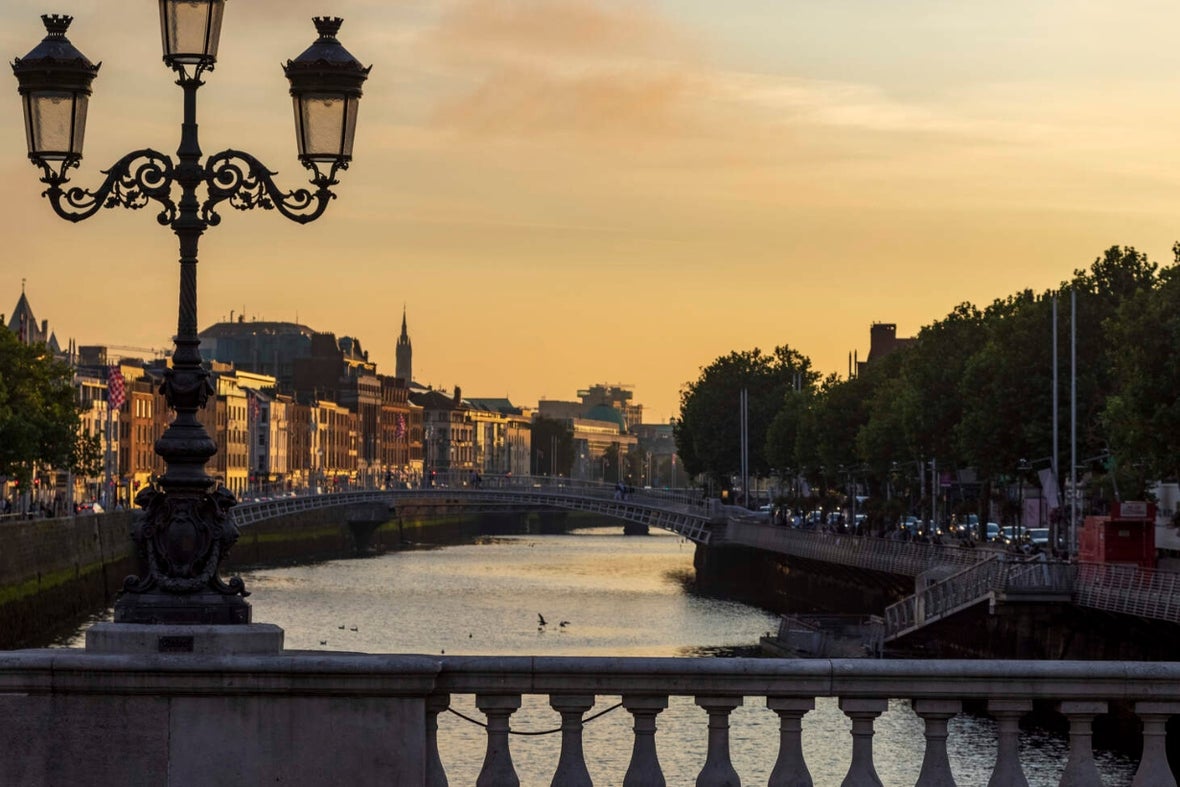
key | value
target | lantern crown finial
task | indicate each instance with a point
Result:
(56, 24)
(327, 26)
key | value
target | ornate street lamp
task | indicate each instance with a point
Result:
(186, 529)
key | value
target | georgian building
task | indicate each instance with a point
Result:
(334, 446)
(448, 432)
(502, 436)
(268, 442)
(142, 421)
(92, 403)
(341, 371)
(399, 456)
(301, 426)
(226, 418)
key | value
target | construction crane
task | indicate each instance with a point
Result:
(153, 352)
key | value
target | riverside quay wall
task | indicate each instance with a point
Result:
(55, 573)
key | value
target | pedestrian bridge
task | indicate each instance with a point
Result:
(666, 509)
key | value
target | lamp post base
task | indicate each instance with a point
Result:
(256, 639)
(212, 609)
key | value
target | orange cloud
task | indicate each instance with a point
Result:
(525, 101)
(566, 28)
(523, 68)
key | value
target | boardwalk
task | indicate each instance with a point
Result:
(975, 574)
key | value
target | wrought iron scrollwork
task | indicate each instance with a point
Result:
(246, 183)
(133, 180)
(165, 536)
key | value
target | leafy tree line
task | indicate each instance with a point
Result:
(972, 390)
(39, 414)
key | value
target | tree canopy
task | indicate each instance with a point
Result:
(708, 431)
(39, 421)
(971, 390)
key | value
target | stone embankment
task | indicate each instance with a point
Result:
(56, 573)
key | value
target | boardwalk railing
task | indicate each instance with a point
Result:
(1129, 590)
(373, 719)
(996, 576)
(876, 554)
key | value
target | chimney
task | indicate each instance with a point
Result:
(458, 394)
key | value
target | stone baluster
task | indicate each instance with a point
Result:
(718, 770)
(1007, 714)
(571, 766)
(1153, 765)
(936, 765)
(436, 775)
(644, 769)
(1081, 771)
(790, 770)
(497, 770)
(862, 773)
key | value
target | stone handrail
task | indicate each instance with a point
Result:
(389, 706)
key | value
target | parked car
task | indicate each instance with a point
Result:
(993, 531)
(1039, 536)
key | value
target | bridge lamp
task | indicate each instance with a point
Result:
(187, 529)
(326, 90)
(190, 30)
(54, 85)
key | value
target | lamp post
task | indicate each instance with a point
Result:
(186, 529)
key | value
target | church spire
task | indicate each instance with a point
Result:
(405, 353)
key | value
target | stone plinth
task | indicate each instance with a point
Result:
(257, 639)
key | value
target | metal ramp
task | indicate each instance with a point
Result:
(997, 579)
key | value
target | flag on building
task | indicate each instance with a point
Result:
(255, 405)
(400, 431)
(116, 388)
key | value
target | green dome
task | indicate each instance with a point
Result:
(604, 412)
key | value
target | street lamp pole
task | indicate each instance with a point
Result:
(186, 529)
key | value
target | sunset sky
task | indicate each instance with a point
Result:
(565, 192)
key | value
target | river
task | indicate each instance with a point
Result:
(600, 593)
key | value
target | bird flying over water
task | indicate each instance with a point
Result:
(541, 619)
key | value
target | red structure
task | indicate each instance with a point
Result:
(1127, 535)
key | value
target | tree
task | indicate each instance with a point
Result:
(708, 431)
(39, 423)
(553, 446)
(1142, 415)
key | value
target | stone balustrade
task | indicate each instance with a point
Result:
(304, 717)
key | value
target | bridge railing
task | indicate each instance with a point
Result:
(256, 511)
(687, 521)
(382, 703)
